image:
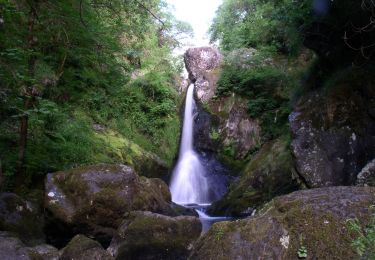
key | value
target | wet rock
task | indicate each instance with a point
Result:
(333, 135)
(367, 175)
(92, 200)
(84, 248)
(146, 235)
(183, 211)
(12, 248)
(267, 175)
(21, 217)
(315, 219)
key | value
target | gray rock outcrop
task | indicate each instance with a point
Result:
(333, 136)
(201, 64)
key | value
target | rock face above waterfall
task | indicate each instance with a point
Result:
(315, 219)
(202, 64)
(221, 123)
(92, 200)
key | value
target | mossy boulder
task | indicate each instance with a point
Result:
(267, 175)
(146, 235)
(92, 200)
(21, 217)
(315, 219)
(123, 150)
(84, 248)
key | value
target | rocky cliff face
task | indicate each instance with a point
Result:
(333, 135)
(222, 123)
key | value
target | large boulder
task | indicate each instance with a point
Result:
(269, 174)
(333, 134)
(312, 221)
(84, 248)
(12, 248)
(93, 200)
(21, 217)
(146, 235)
(202, 64)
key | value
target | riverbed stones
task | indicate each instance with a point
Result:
(92, 200)
(316, 219)
(146, 235)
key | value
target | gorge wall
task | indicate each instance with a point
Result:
(331, 136)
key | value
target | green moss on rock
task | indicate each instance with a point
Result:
(268, 174)
(315, 219)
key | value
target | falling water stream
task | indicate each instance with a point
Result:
(189, 185)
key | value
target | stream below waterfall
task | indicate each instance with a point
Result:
(192, 185)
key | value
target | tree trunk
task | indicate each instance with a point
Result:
(27, 95)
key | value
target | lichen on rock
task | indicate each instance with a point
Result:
(315, 219)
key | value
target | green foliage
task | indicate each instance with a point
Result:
(302, 252)
(267, 89)
(214, 134)
(364, 242)
(255, 23)
(82, 64)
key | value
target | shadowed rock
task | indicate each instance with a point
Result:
(22, 218)
(84, 248)
(333, 135)
(146, 235)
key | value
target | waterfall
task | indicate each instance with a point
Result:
(189, 185)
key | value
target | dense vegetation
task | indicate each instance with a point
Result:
(79, 77)
(294, 48)
(278, 36)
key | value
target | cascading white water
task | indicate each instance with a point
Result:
(189, 185)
